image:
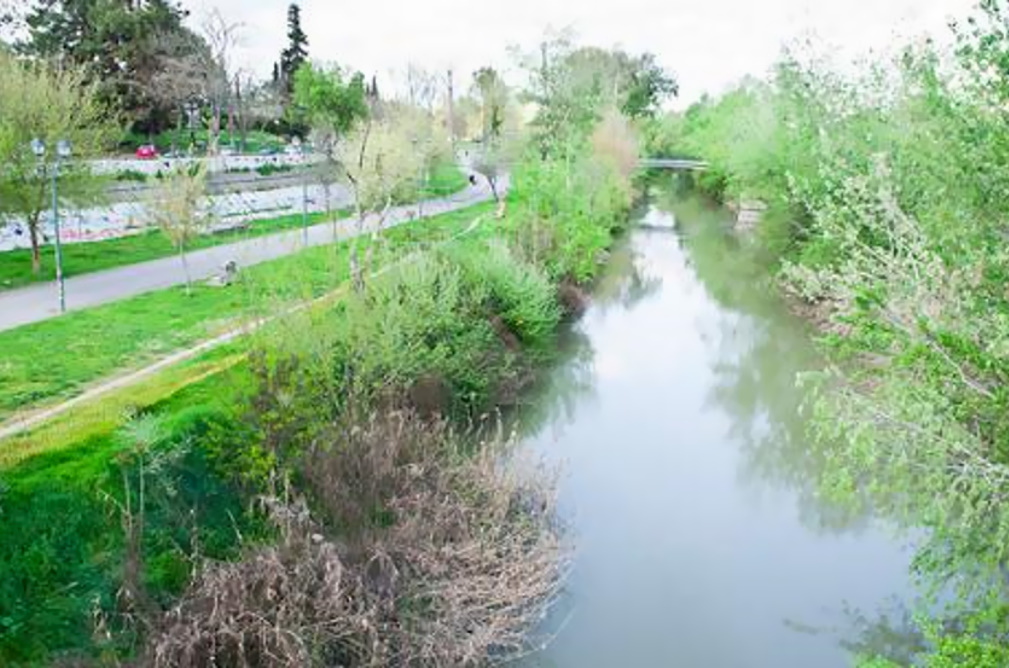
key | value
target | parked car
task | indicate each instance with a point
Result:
(147, 152)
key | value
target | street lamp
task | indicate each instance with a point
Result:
(299, 147)
(63, 152)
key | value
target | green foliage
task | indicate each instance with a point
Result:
(255, 140)
(41, 102)
(456, 319)
(295, 54)
(886, 190)
(131, 175)
(492, 92)
(61, 560)
(271, 169)
(423, 318)
(326, 102)
(519, 294)
(573, 86)
(112, 40)
(564, 213)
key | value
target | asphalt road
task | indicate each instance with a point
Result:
(39, 302)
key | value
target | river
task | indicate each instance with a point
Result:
(687, 481)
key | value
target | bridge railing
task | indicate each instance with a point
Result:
(680, 164)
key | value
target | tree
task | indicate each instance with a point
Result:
(184, 75)
(422, 87)
(647, 87)
(39, 101)
(381, 160)
(221, 37)
(330, 106)
(112, 40)
(330, 103)
(489, 88)
(572, 87)
(179, 209)
(296, 53)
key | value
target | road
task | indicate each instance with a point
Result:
(227, 208)
(39, 302)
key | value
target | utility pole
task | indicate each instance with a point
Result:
(451, 112)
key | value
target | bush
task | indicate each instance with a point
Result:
(452, 561)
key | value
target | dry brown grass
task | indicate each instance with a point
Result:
(444, 558)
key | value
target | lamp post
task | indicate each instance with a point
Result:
(63, 152)
(299, 146)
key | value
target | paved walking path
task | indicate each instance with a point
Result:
(39, 302)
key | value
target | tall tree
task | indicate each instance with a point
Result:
(331, 106)
(648, 86)
(221, 37)
(186, 67)
(296, 53)
(114, 41)
(574, 86)
(490, 89)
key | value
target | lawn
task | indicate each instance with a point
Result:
(56, 358)
(83, 258)
(445, 179)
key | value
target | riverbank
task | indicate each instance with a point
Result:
(884, 212)
(155, 523)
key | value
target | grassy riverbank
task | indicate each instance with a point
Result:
(57, 358)
(886, 216)
(326, 400)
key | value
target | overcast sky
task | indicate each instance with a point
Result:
(709, 44)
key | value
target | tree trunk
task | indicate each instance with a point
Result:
(33, 234)
(243, 123)
(185, 269)
(176, 136)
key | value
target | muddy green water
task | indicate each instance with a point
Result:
(687, 479)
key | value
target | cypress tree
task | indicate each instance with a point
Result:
(296, 52)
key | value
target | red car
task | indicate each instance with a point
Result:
(147, 152)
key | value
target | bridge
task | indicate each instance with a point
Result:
(675, 164)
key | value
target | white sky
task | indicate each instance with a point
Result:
(709, 44)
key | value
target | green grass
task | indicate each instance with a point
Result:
(445, 179)
(56, 358)
(83, 258)
(62, 555)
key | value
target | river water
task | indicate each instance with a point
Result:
(687, 481)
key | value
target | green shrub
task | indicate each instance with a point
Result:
(269, 169)
(131, 175)
(518, 293)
